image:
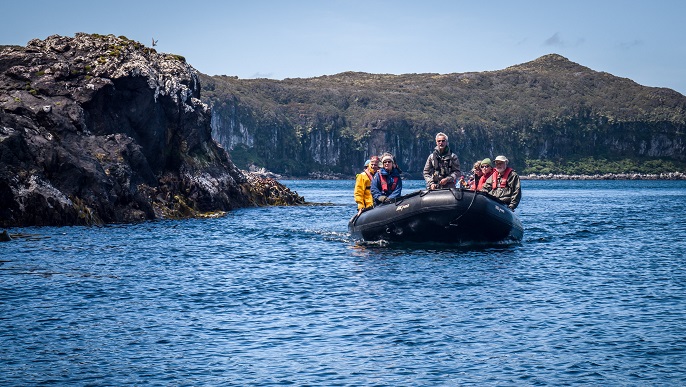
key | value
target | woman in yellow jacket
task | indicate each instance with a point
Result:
(363, 193)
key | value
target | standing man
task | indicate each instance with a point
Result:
(442, 168)
(504, 184)
(363, 183)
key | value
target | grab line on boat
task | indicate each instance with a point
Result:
(452, 222)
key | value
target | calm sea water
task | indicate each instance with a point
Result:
(594, 295)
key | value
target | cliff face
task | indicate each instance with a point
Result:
(547, 110)
(269, 139)
(100, 129)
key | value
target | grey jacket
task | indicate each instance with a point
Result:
(439, 166)
(511, 194)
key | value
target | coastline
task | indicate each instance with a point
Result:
(607, 176)
(531, 176)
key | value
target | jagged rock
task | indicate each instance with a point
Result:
(100, 129)
(268, 191)
(262, 172)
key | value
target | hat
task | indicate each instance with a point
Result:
(387, 157)
(486, 161)
(501, 158)
(366, 163)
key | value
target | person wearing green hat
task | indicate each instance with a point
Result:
(486, 172)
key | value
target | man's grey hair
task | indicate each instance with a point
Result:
(441, 134)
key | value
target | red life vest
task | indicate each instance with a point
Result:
(369, 175)
(503, 178)
(482, 180)
(384, 184)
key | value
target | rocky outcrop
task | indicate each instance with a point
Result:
(100, 129)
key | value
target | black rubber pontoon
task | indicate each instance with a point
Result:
(445, 216)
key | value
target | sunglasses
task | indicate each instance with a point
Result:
(485, 166)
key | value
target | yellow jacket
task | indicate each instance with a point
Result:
(363, 193)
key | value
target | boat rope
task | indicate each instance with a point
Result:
(454, 221)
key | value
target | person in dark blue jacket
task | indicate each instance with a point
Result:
(387, 184)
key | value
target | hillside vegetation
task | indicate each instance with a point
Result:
(549, 115)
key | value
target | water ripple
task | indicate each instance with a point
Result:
(595, 294)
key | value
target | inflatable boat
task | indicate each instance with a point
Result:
(445, 216)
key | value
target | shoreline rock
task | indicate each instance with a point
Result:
(267, 191)
(99, 129)
(262, 172)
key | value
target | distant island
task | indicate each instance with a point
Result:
(549, 116)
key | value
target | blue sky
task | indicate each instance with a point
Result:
(640, 40)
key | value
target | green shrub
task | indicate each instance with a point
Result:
(601, 166)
